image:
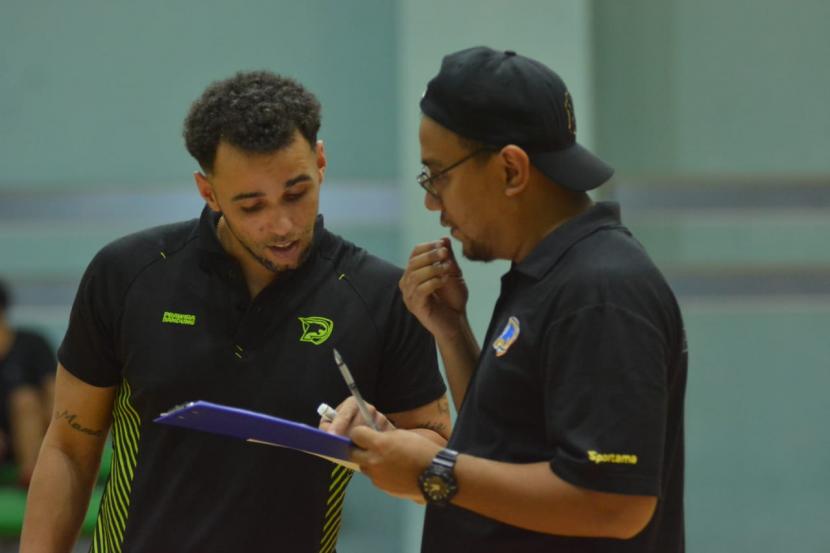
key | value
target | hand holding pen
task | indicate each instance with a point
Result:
(361, 404)
(345, 417)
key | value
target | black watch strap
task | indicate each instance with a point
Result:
(438, 484)
(446, 458)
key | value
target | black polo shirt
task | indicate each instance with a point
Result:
(166, 316)
(583, 366)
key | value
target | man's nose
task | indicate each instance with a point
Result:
(280, 224)
(432, 202)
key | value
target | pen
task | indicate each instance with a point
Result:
(326, 411)
(347, 376)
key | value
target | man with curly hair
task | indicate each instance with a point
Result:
(241, 307)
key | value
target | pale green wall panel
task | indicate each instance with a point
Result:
(751, 83)
(634, 66)
(713, 87)
(756, 448)
(764, 239)
(95, 92)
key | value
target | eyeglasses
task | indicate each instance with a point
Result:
(427, 181)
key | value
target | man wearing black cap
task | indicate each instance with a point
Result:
(570, 428)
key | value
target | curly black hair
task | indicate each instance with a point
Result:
(255, 111)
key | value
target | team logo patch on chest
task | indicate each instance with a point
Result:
(316, 330)
(507, 337)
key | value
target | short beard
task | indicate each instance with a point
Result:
(475, 251)
(263, 261)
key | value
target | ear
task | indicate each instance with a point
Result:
(206, 190)
(516, 165)
(321, 159)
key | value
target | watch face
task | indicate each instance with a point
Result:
(435, 487)
(438, 480)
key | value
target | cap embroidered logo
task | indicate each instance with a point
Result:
(569, 113)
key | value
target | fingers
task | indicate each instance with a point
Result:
(423, 291)
(447, 243)
(367, 451)
(347, 412)
(349, 417)
(392, 460)
(382, 423)
(438, 254)
(429, 267)
(428, 253)
(429, 246)
(364, 438)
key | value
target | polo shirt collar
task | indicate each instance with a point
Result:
(553, 246)
(206, 233)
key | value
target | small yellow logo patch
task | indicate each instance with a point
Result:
(615, 458)
(178, 318)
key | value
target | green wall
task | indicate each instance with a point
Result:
(93, 93)
(757, 449)
(708, 86)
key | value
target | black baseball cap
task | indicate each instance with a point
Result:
(500, 98)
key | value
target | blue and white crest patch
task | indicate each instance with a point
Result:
(507, 337)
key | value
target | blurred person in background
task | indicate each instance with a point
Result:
(570, 428)
(27, 379)
(240, 307)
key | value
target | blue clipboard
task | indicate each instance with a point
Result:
(260, 428)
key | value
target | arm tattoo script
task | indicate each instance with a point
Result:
(70, 419)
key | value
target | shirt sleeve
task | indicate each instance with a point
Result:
(88, 349)
(409, 376)
(606, 400)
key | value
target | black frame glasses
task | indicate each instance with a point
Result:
(426, 180)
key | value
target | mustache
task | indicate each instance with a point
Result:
(273, 241)
(279, 243)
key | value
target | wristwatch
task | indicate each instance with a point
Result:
(438, 482)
